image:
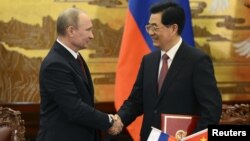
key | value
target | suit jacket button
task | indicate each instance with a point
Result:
(155, 111)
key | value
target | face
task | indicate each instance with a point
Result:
(81, 35)
(161, 35)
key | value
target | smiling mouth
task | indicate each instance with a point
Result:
(154, 39)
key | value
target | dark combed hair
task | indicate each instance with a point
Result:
(172, 13)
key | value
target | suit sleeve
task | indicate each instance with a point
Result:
(133, 106)
(207, 93)
(58, 82)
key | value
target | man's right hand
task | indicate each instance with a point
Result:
(117, 125)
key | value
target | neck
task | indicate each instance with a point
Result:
(172, 43)
(66, 42)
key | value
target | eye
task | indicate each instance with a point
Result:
(151, 27)
(89, 29)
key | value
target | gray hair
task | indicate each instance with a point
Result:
(67, 18)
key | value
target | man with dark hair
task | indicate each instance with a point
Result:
(67, 110)
(176, 79)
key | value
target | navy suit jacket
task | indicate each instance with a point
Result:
(188, 89)
(67, 110)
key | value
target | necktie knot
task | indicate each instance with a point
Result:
(79, 59)
(165, 58)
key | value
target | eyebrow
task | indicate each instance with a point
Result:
(90, 28)
(152, 24)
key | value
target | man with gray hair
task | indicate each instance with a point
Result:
(67, 110)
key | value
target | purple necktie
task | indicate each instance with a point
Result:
(163, 72)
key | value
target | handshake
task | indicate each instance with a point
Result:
(117, 126)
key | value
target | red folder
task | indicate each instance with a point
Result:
(178, 125)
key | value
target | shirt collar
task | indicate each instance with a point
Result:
(75, 54)
(172, 51)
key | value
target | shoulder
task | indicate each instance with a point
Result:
(154, 54)
(53, 57)
(55, 60)
(192, 52)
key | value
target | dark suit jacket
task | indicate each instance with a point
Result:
(189, 88)
(67, 110)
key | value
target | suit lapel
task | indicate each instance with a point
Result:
(89, 79)
(78, 69)
(174, 69)
(155, 68)
(73, 62)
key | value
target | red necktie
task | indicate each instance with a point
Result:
(163, 72)
(80, 61)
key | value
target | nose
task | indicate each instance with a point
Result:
(91, 36)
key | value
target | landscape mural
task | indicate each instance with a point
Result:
(27, 32)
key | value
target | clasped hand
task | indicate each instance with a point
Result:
(117, 126)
